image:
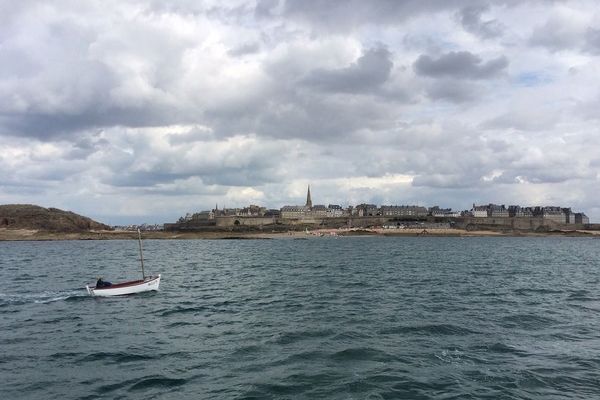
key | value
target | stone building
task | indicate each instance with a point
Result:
(403, 211)
(293, 212)
(335, 211)
(495, 211)
(581, 218)
(318, 211)
(490, 210)
(479, 211)
(296, 212)
(436, 211)
(520, 212)
(366, 210)
(554, 214)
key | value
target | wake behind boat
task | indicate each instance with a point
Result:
(146, 284)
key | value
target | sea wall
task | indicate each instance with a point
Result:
(513, 224)
(233, 223)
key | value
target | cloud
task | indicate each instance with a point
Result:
(370, 71)
(453, 91)
(244, 49)
(443, 181)
(523, 120)
(592, 41)
(470, 18)
(349, 15)
(563, 30)
(460, 65)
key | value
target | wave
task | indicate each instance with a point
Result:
(528, 321)
(157, 381)
(454, 356)
(533, 291)
(182, 310)
(269, 390)
(63, 355)
(502, 348)
(182, 323)
(297, 336)
(24, 277)
(45, 297)
(117, 357)
(427, 329)
(580, 295)
(360, 353)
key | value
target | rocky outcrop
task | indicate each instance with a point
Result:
(28, 216)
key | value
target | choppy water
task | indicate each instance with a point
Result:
(331, 318)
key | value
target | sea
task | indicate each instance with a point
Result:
(315, 318)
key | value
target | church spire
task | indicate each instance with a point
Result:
(308, 199)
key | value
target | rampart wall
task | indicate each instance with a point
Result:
(469, 223)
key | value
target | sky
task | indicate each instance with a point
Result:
(142, 111)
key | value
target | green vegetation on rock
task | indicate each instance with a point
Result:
(28, 216)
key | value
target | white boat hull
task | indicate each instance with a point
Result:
(120, 289)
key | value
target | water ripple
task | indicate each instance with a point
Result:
(322, 318)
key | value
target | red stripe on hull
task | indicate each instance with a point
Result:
(125, 284)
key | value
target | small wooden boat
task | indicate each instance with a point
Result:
(131, 287)
(146, 284)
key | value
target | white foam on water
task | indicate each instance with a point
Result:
(42, 297)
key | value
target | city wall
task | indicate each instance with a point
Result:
(468, 223)
(233, 221)
(512, 224)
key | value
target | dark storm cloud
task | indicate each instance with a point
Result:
(470, 18)
(370, 71)
(460, 65)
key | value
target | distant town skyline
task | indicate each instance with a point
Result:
(314, 213)
(133, 111)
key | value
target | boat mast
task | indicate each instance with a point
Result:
(141, 254)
